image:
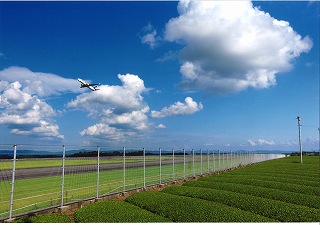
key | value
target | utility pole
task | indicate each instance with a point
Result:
(300, 143)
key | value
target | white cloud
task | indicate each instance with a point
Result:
(121, 110)
(178, 108)
(120, 98)
(134, 120)
(168, 56)
(23, 108)
(26, 114)
(231, 46)
(39, 83)
(149, 36)
(252, 143)
(209, 145)
(161, 126)
(103, 131)
(260, 142)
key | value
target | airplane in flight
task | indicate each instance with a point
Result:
(84, 84)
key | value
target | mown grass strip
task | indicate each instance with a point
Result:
(275, 194)
(79, 186)
(264, 183)
(186, 209)
(115, 212)
(284, 212)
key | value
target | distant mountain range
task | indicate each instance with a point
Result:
(9, 153)
(76, 153)
(41, 153)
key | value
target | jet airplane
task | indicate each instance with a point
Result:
(84, 84)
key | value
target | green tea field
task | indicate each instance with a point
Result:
(281, 190)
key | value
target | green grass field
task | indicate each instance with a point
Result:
(35, 193)
(39, 163)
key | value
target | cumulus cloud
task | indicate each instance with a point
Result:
(149, 36)
(103, 131)
(39, 83)
(231, 45)
(133, 120)
(260, 142)
(23, 107)
(178, 108)
(161, 126)
(121, 111)
(121, 98)
(26, 114)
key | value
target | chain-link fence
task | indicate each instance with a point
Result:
(36, 177)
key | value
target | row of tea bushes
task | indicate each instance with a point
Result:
(281, 211)
(276, 177)
(186, 209)
(275, 194)
(113, 211)
(297, 188)
(286, 167)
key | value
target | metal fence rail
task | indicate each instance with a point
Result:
(29, 182)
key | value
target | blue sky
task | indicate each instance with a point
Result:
(209, 75)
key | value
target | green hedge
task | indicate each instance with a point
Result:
(46, 218)
(277, 210)
(185, 209)
(275, 194)
(113, 211)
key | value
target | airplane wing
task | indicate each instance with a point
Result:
(92, 88)
(82, 81)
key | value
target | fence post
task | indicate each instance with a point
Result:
(62, 177)
(160, 165)
(184, 164)
(230, 164)
(208, 161)
(98, 171)
(232, 159)
(227, 160)
(13, 179)
(219, 161)
(214, 163)
(173, 172)
(200, 162)
(144, 167)
(124, 170)
(194, 172)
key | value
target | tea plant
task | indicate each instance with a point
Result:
(290, 179)
(284, 196)
(277, 210)
(115, 212)
(185, 209)
(298, 188)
